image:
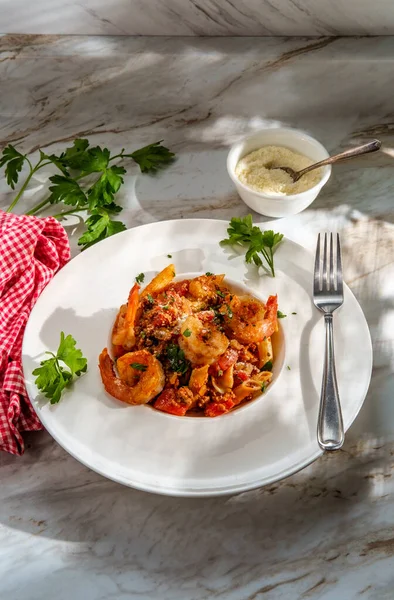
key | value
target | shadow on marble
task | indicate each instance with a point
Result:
(75, 504)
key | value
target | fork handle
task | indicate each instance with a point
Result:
(330, 432)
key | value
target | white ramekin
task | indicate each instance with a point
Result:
(276, 205)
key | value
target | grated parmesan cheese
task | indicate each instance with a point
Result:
(255, 171)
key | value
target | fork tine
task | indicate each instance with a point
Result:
(325, 273)
(339, 267)
(316, 275)
(332, 272)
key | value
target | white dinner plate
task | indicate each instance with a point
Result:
(262, 442)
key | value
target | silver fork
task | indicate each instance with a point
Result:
(327, 297)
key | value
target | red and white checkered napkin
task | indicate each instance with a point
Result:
(31, 251)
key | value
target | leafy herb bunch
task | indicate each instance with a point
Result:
(76, 185)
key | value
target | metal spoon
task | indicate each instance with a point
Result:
(357, 151)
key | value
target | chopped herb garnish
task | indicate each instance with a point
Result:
(208, 274)
(220, 293)
(280, 315)
(169, 255)
(138, 366)
(165, 307)
(143, 334)
(263, 386)
(229, 311)
(289, 367)
(140, 278)
(220, 372)
(187, 333)
(267, 366)
(150, 299)
(176, 358)
(293, 313)
(218, 318)
(173, 273)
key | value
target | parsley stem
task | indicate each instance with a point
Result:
(120, 155)
(70, 212)
(271, 262)
(19, 194)
(37, 208)
(33, 170)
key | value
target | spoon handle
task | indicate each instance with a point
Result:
(357, 151)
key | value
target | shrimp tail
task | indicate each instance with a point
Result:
(113, 385)
(270, 323)
(132, 306)
(125, 335)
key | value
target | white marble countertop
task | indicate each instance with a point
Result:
(198, 17)
(325, 533)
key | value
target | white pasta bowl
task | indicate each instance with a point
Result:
(278, 205)
(278, 346)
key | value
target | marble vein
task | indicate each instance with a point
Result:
(199, 17)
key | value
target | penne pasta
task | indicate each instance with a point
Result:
(265, 352)
(198, 379)
(245, 389)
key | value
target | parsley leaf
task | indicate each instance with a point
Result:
(75, 155)
(14, 161)
(151, 157)
(280, 314)
(56, 160)
(138, 366)
(187, 333)
(263, 386)
(93, 160)
(67, 190)
(99, 226)
(103, 190)
(150, 298)
(208, 274)
(82, 158)
(241, 231)
(220, 293)
(140, 278)
(52, 377)
(176, 358)
(267, 366)
(289, 368)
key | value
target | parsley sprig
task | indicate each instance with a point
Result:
(102, 180)
(59, 371)
(241, 231)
